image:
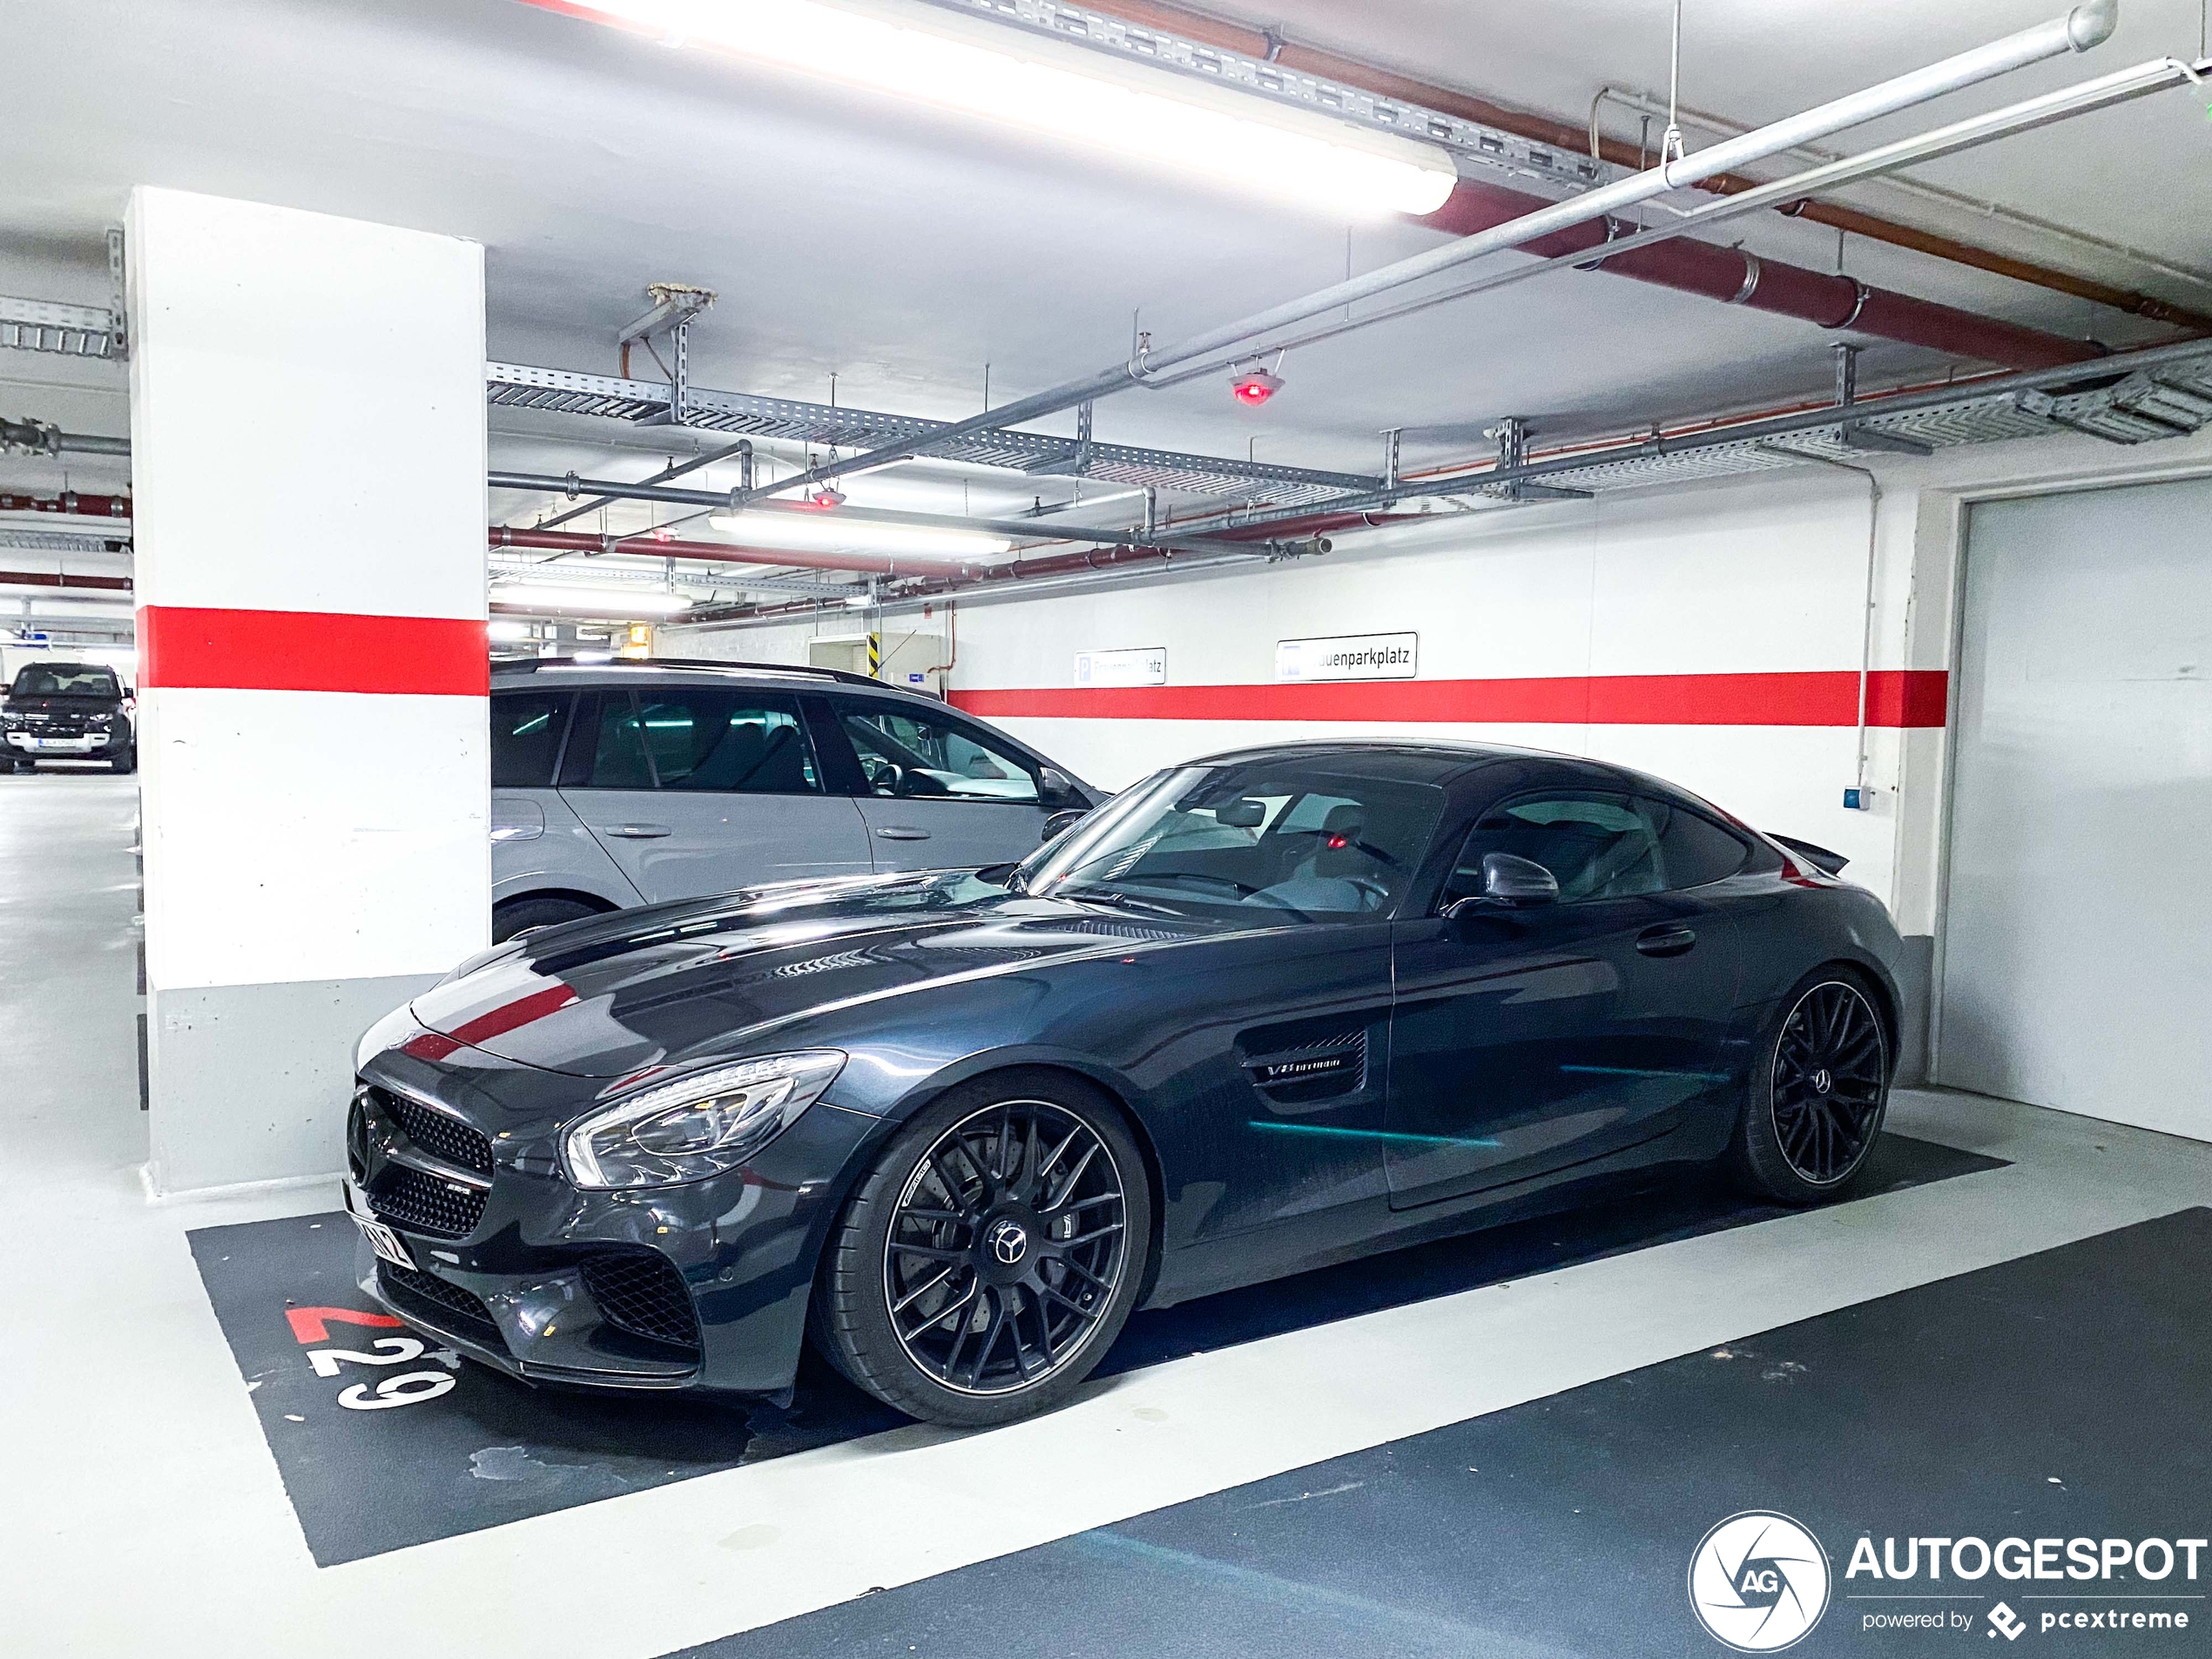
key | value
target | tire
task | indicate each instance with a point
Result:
(523, 915)
(1819, 1091)
(127, 761)
(932, 1226)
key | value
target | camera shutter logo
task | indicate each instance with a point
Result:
(1758, 1582)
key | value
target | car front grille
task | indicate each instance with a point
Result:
(437, 1302)
(405, 1196)
(435, 1133)
(426, 1204)
(640, 1292)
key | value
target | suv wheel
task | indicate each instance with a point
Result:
(526, 915)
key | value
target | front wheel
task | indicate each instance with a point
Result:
(127, 761)
(1818, 1093)
(992, 1254)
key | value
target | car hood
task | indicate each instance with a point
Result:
(667, 984)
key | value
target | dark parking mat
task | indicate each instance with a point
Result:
(385, 1442)
(2063, 1398)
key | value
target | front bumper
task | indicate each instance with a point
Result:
(77, 743)
(702, 1286)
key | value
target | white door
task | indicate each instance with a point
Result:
(2077, 949)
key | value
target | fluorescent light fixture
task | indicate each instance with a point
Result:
(599, 601)
(814, 532)
(988, 69)
(507, 632)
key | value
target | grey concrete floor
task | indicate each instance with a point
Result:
(69, 963)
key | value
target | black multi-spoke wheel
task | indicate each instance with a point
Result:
(991, 1255)
(1817, 1101)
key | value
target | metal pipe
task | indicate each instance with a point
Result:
(2085, 26)
(61, 579)
(2154, 76)
(742, 448)
(2113, 368)
(2082, 287)
(41, 437)
(68, 501)
(712, 552)
(1175, 18)
(1017, 528)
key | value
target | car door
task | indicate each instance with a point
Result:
(537, 843)
(938, 792)
(701, 788)
(1529, 1039)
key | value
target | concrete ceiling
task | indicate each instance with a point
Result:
(903, 250)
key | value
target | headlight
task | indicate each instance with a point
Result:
(699, 1125)
(98, 719)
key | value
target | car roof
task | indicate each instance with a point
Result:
(675, 671)
(1432, 759)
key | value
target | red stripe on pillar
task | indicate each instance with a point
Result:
(1894, 698)
(182, 647)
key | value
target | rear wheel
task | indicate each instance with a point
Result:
(992, 1254)
(522, 915)
(1818, 1093)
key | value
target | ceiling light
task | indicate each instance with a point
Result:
(598, 602)
(1255, 387)
(507, 632)
(827, 498)
(812, 532)
(986, 68)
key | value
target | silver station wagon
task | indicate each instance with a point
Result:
(615, 784)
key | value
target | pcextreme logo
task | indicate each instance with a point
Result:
(1758, 1582)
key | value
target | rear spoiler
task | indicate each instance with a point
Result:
(1819, 857)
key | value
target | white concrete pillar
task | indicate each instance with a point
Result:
(308, 459)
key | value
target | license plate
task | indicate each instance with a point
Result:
(381, 1239)
(56, 743)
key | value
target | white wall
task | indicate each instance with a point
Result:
(1761, 574)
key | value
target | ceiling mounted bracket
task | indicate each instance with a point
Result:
(675, 306)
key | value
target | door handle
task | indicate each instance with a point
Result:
(639, 832)
(1665, 940)
(903, 833)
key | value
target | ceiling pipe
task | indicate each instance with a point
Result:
(1736, 276)
(62, 579)
(43, 437)
(1573, 138)
(718, 500)
(2159, 74)
(646, 544)
(2083, 27)
(68, 501)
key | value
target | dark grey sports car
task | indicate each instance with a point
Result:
(1258, 1013)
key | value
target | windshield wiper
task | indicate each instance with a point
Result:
(1121, 901)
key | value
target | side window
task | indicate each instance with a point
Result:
(618, 759)
(1596, 846)
(1694, 850)
(715, 740)
(910, 755)
(526, 728)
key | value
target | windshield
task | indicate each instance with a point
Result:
(1283, 840)
(66, 679)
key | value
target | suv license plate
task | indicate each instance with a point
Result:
(381, 1239)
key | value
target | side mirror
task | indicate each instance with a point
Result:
(1056, 792)
(1061, 822)
(1510, 880)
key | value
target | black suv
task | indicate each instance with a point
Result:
(67, 711)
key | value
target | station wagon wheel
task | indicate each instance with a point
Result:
(1814, 1115)
(1005, 1239)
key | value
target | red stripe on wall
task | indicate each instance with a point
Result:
(1894, 698)
(181, 647)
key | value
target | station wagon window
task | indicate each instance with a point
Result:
(702, 738)
(909, 755)
(526, 728)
